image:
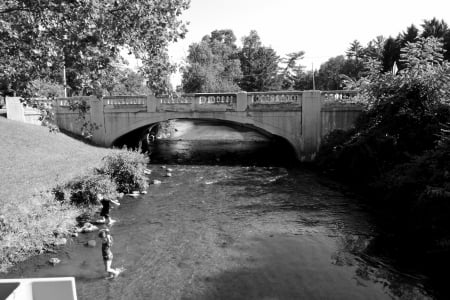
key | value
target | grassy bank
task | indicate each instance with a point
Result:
(33, 161)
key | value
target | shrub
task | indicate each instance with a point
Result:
(83, 190)
(126, 169)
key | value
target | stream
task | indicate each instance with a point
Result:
(235, 221)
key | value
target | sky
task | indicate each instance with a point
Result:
(321, 28)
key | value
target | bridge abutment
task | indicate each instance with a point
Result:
(311, 125)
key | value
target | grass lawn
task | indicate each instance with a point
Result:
(32, 161)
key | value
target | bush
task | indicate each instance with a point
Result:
(83, 190)
(126, 169)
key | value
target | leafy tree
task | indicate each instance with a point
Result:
(212, 64)
(335, 71)
(124, 82)
(438, 29)
(374, 48)
(259, 65)
(45, 89)
(38, 38)
(291, 71)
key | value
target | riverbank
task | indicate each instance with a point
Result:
(33, 161)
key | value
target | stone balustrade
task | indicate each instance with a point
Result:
(125, 100)
(341, 96)
(274, 97)
(185, 99)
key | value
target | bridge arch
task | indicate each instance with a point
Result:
(263, 129)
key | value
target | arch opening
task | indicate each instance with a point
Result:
(209, 141)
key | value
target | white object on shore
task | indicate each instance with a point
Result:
(147, 172)
(168, 175)
(155, 181)
(54, 260)
(88, 227)
(169, 170)
(163, 167)
(133, 195)
(60, 242)
(143, 192)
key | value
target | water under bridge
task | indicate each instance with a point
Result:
(300, 117)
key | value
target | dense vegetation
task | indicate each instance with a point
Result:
(48, 181)
(398, 152)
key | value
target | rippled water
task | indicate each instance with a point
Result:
(234, 232)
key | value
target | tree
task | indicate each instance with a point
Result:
(259, 65)
(336, 70)
(38, 38)
(291, 71)
(409, 36)
(355, 50)
(438, 29)
(213, 64)
(374, 48)
(391, 53)
(124, 82)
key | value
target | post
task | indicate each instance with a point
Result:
(241, 101)
(151, 103)
(97, 116)
(64, 81)
(311, 124)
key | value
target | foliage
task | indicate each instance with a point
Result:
(259, 65)
(399, 150)
(40, 88)
(404, 117)
(83, 190)
(82, 107)
(126, 169)
(124, 82)
(38, 38)
(212, 64)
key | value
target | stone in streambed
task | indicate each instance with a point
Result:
(53, 261)
(91, 243)
(155, 181)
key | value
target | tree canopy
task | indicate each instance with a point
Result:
(38, 38)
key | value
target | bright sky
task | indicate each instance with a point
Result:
(321, 28)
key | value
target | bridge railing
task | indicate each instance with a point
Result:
(274, 97)
(201, 98)
(342, 96)
(66, 102)
(117, 101)
(198, 101)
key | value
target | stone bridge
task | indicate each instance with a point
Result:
(300, 117)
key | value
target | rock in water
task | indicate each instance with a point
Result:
(154, 181)
(168, 175)
(91, 243)
(169, 170)
(53, 261)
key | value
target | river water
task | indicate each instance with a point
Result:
(235, 227)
